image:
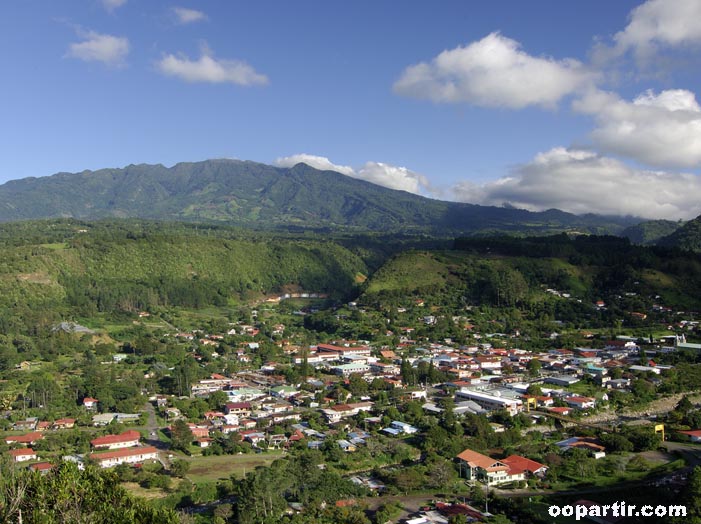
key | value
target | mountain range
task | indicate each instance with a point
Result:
(256, 195)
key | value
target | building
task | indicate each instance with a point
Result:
(22, 454)
(693, 435)
(490, 402)
(125, 456)
(348, 369)
(580, 402)
(128, 439)
(477, 467)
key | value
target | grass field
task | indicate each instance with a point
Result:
(215, 467)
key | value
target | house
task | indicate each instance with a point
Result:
(562, 411)
(128, 439)
(475, 466)
(42, 467)
(27, 440)
(403, 427)
(693, 435)
(580, 402)
(90, 403)
(562, 380)
(125, 456)
(588, 443)
(204, 442)
(241, 409)
(518, 464)
(22, 454)
(26, 425)
(64, 423)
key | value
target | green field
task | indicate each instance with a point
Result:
(215, 467)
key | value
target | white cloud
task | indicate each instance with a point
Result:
(393, 177)
(111, 5)
(188, 16)
(317, 162)
(655, 23)
(493, 72)
(386, 175)
(211, 70)
(662, 130)
(96, 47)
(584, 182)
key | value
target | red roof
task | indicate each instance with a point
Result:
(477, 460)
(22, 452)
(25, 439)
(122, 453)
(238, 405)
(518, 464)
(108, 440)
(41, 466)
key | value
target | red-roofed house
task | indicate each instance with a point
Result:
(128, 439)
(42, 467)
(64, 423)
(580, 402)
(22, 454)
(125, 456)
(90, 403)
(694, 435)
(518, 464)
(27, 440)
(483, 468)
(242, 409)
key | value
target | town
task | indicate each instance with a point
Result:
(430, 403)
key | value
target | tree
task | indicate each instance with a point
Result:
(179, 467)
(67, 494)
(181, 436)
(534, 367)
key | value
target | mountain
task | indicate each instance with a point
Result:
(558, 274)
(257, 195)
(650, 232)
(686, 237)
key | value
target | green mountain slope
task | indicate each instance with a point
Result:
(650, 232)
(128, 267)
(257, 195)
(558, 275)
(686, 237)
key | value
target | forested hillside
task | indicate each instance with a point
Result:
(686, 237)
(560, 277)
(260, 196)
(90, 268)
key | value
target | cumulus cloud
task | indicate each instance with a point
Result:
(184, 15)
(96, 47)
(493, 72)
(211, 70)
(393, 177)
(379, 173)
(111, 5)
(662, 130)
(317, 162)
(656, 23)
(584, 182)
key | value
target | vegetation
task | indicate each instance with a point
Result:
(67, 494)
(261, 196)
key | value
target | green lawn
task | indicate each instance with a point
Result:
(215, 467)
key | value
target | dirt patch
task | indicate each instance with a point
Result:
(35, 278)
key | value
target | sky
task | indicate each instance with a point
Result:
(588, 107)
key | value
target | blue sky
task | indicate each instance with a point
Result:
(583, 106)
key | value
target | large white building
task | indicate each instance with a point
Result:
(490, 402)
(125, 456)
